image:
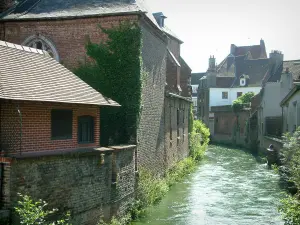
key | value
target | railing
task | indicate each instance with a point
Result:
(10, 128)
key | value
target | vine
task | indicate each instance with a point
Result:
(115, 70)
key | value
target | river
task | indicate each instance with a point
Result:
(228, 188)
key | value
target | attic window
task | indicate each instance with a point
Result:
(242, 82)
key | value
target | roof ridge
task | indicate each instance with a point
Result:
(23, 48)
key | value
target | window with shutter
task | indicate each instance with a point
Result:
(85, 129)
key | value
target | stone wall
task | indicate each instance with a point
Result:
(150, 134)
(230, 127)
(176, 130)
(77, 181)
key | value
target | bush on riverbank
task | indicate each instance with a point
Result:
(290, 206)
(151, 189)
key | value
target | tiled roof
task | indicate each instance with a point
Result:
(224, 82)
(255, 51)
(32, 75)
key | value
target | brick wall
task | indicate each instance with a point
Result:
(172, 70)
(77, 182)
(185, 76)
(68, 36)
(36, 125)
(176, 133)
(151, 126)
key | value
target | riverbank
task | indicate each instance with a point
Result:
(152, 188)
(229, 186)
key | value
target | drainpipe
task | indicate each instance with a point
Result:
(21, 126)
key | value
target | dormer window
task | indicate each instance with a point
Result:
(242, 82)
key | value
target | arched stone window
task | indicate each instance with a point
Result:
(40, 42)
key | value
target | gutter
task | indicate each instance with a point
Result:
(172, 95)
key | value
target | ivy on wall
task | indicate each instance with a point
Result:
(115, 71)
(242, 101)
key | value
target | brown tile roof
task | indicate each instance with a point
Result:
(31, 74)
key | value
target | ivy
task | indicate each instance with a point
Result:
(242, 101)
(115, 71)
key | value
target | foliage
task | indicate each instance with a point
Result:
(33, 213)
(115, 71)
(290, 206)
(291, 152)
(191, 119)
(290, 209)
(241, 101)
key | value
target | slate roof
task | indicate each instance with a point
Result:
(32, 75)
(294, 68)
(255, 69)
(254, 50)
(196, 78)
(47, 9)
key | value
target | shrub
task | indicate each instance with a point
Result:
(241, 101)
(199, 139)
(34, 213)
(290, 206)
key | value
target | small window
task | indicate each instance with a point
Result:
(238, 94)
(224, 95)
(85, 129)
(61, 124)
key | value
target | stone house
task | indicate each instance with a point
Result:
(177, 98)
(268, 121)
(244, 70)
(49, 135)
(62, 27)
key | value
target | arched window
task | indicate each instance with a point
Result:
(42, 43)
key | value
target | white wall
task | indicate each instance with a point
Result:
(292, 113)
(215, 95)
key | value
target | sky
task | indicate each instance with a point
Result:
(209, 27)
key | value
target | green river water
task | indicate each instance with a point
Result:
(229, 187)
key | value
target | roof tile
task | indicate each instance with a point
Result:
(34, 76)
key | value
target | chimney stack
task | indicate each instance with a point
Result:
(212, 63)
(276, 58)
(160, 18)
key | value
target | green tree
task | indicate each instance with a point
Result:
(241, 101)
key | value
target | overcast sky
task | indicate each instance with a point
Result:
(209, 27)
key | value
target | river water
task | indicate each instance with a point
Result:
(229, 187)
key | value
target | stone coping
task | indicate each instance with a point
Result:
(104, 150)
(274, 139)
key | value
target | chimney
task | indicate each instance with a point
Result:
(212, 63)
(6, 4)
(276, 58)
(160, 18)
(263, 53)
(232, 49)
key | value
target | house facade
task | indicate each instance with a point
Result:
(245, 69)
(62, 29)
(49, 135)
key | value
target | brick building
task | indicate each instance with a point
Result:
(62, 28)
(49, 135)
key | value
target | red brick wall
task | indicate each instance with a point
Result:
(69, 36)
(36, 125)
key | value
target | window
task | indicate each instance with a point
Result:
(238, 94)
(224, 95)
(85, 129)
(42, 43)
(61, 124)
